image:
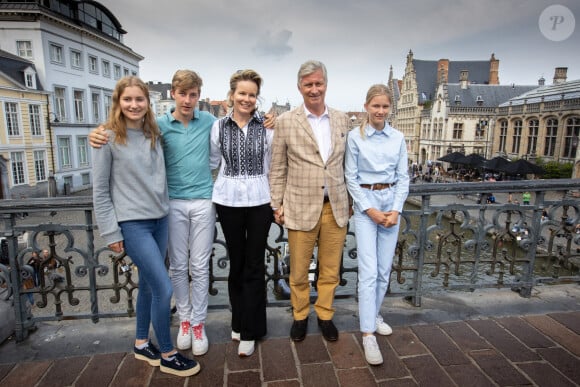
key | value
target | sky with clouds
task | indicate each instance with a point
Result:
(357, 40)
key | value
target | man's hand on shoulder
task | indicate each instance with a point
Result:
(270, 120)
(98, 137)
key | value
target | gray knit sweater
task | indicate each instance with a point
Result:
(128, 183)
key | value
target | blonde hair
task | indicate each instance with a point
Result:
(185, 80)
(374, 91)
(243, 75)
(116, 121)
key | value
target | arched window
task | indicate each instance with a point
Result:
(551, 135)
(572, 137)
(533, 127)
(517, 136)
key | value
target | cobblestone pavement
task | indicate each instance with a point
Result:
(487, 338)
(534, 350)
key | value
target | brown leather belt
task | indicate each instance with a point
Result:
(377, 186)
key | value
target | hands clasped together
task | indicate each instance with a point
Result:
(386, 219)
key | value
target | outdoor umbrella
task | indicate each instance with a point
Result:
(496, 163)
(522, 167)
(473, 160)
(451, 157)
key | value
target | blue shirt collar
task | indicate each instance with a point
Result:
(369, 130)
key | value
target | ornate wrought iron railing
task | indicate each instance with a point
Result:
(449, 239)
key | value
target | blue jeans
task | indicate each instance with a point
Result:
(375, 249)
(146, 243)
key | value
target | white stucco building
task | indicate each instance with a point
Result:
(78, 51)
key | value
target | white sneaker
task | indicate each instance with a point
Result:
(200, 343)
(382, 327)
(246, 348)
(184, 335)
(236, 336)
(372, 351)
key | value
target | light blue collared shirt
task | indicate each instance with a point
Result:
(379, 157)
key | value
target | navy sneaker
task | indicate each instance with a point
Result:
(179, 365)
(150, 354)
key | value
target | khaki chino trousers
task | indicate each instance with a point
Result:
(330, 238)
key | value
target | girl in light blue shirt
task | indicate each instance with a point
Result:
(377, 179)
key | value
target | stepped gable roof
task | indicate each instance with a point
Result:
(566, 90)
(426, 75)
(13, 67)
(489, 95)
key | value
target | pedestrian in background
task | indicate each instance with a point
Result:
(378, 181)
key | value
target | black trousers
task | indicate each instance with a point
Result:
(246, 232)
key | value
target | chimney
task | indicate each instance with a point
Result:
(442, 71)
(464, 78)
(493, 70)
(560, 75)
(541, 81)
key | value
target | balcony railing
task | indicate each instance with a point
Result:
(449, 239)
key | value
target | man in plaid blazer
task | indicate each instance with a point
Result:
(309, 196)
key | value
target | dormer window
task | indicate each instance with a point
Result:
(30, 78)
(479, 100)
(458, 100)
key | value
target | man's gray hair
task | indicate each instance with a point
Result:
(310, 67)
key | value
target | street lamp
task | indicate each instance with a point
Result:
(51, 179)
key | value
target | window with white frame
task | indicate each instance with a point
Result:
(93, 64)
(56, 53)
(30, 80)
(64, 154)
(60, 103)
(17, 165)
(34, 118)
(12, 121)
(117, 70)
(86, 178)
(96, 104)
(83, 150)
(79, 101)
(40, 165)
(108, 104)
(134, 73)
(106, 68)
(125, 72)
(24, 49)
(76, 60)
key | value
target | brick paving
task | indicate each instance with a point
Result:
(528, 350)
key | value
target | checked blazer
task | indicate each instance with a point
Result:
(298, 174)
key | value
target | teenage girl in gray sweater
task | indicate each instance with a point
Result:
(131, 206)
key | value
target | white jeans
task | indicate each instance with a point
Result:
(191, 235)
(375, 249)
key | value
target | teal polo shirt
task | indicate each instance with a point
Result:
(186, 152)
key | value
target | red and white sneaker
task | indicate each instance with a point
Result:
(184, 335)
(200, 343)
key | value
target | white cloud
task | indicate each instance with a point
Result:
(358, 41)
